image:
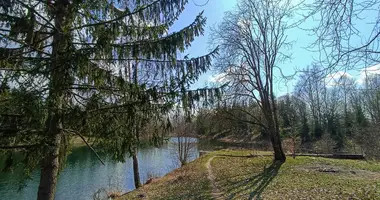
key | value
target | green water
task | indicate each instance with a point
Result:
(84, 174)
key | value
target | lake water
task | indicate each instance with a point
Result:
(84, 175)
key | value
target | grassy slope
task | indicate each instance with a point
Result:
(257, 177)
(188, 182)
(76, 141)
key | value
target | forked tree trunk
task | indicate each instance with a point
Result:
(136, 174)
(59, 78)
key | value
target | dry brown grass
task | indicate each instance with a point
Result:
(239, 175)
(114, 194)
(188, 182)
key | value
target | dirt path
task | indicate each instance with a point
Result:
(216, 194)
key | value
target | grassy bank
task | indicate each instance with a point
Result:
(188, 182)
(236, 175)
(76, 141)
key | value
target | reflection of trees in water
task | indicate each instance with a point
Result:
(84, 174)
(183, 150)
(183, 145)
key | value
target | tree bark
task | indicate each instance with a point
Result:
(49, 172)
(59, 78)
(136, 174)
(274, 131)
(279, 154)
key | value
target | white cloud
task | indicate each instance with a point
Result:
(218, 78)
(336, 78)
(243, 23)
(373, 70)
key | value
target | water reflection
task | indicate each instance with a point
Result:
(84, 174)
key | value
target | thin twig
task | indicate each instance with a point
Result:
(88, 145)
(92, 149)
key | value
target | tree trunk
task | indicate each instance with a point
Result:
(49, 172)
(279, 154)
(50, 163)
(59, 79)
(294, 147)
(136, 174)
(274, 131)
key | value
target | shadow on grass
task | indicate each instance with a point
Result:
(244, 156)
(256, 183)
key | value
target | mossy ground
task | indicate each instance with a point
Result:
(239, 176)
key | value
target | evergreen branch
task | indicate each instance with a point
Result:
(92, 87)
(19, 146)
(41, 32)
(196, 28)
(7, 53)
(9, 18)
(24, 44)
(213, 52)
(11, 115)
(117, 18)
(153, 28)
(5, 17)
(37, 13)
(17, 131)
(7, 130)
(125, 104)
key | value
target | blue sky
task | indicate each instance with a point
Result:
(300, 57)
(214, 12)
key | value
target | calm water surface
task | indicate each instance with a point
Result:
(84, 174)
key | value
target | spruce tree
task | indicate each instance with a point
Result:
(78, 57)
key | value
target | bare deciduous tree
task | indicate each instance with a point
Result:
(184, 144)
(347, 32)
(251, 39)
(311, 89)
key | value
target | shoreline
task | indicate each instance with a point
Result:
(218, 173)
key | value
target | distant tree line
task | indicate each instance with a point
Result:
(333, 114)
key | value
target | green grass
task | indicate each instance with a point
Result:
(188, 182)
(76, 141)
(258, 178)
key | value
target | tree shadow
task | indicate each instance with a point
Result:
(257, 182)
